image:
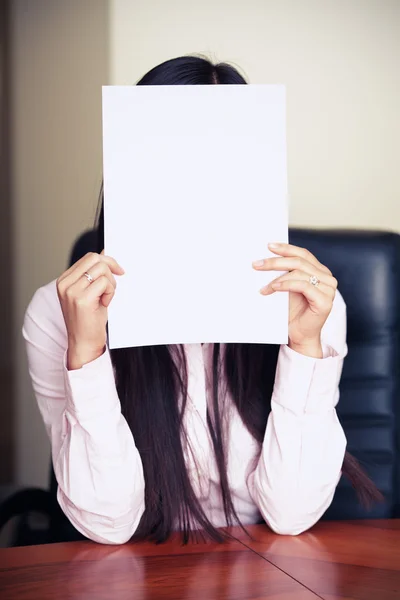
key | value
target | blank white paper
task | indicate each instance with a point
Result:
(195, 184)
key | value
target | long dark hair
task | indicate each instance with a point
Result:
(151, 380)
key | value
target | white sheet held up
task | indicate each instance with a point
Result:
(195, 184)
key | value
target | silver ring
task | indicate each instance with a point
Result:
(88, 277)
(314, 280)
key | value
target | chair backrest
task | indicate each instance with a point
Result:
(367, 266)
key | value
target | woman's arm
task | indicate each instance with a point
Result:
(97, 466)
(304, 445)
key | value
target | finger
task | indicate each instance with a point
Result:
(326, 281)
(101, 289)
(98, 270)
(319, 302)
(294, 263)
(85, 264)
(301, 276)
(291, 250)
(87, 261)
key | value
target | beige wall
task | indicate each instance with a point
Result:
(60, 61)
(340, 62)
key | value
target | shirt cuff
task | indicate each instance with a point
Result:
(307, 385)
(91, 390)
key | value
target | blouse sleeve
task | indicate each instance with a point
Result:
(304, 445)
(96, 463)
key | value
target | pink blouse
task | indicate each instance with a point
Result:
(289, 482)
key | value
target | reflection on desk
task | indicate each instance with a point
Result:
(355, 560)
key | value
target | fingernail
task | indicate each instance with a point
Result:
(258, 263)
(265, 290)
(274, 245)
(122, 269)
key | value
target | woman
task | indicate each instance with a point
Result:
(195, 437)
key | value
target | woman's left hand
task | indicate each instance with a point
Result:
(309, 305)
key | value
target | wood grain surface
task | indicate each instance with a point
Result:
(143, 571)
(357, 560)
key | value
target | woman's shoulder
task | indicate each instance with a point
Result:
(44, 315)
(45, 299)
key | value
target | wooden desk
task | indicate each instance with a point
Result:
(357, 560)
(353, 560)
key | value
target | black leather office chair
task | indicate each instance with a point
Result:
(367, 266)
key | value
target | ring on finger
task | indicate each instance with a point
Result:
(314, 280)
(88, 277)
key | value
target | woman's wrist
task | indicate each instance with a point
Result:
(78, 355)
(312, 348)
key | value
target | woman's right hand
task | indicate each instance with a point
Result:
(84, 306)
